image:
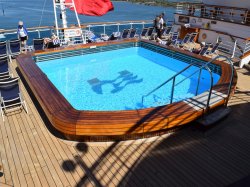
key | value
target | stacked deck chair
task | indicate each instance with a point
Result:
(3, 49)
(125, 33)
(14, 48)
(132, 33)
(185, 39)
(92, 37)
(10, 96)
(115, 36)
(150, 32)
(4, 68)
(214, 49)
(174, 38)
(167, 33)
(204, 50)
(191, 41)
(38, 44)
(144, 32)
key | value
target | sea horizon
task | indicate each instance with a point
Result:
(42, 14)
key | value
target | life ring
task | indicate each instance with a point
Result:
(204, 36)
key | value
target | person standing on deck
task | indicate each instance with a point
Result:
(22, 33)
(159, 26)
(164, 19)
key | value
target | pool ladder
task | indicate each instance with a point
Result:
(201, 66)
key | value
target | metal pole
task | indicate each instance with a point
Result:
(172, 91)
(234, 48)
(211, 85)
(63, 12)
(56, 23)
(198, 84)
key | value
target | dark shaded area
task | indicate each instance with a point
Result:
(68, 165)
(82, 147)
(245, 182)
(217, 156)
(1, 174)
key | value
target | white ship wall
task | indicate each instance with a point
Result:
(239, 30)
(231, 3)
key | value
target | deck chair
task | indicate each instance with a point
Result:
(174, 38)
(214, 49)
(38, 44)
(150, 32)
(14, 48)
(132, 33)
(191, 41)
(3, 48)
(204, 50)
(125, 33)
(185, 39)
(10, 96)
(4, 68)
(144, 32)
(115, 36)
(192, 37)
(168, 30)
(92, 37)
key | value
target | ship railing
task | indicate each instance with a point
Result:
(230, 48)
(35, 32)
(194, 72)
(247, 46)
(95, 30)
(222, 13)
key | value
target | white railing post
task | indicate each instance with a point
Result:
(38, 32)
(234, 49)
(104, 29)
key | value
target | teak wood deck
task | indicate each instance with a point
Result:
(31, 153)
(115, 125)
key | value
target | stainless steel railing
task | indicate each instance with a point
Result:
(173, 79)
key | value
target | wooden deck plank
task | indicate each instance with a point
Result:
(14, 143)
(110, 172)
(29, 180)
(79, 168)
(49, 177)
(12, 167)
(24, 164)
(122, 163)
(2, 176)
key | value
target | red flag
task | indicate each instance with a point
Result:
(92, 7)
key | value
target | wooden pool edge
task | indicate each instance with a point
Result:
(111, 125)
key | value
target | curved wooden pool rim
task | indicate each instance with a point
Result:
(110, 125)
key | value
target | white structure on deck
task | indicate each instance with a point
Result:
(227, 21)
(65, 34)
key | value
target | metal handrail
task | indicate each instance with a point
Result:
(232, 74)
(173, 77)
(211, 80)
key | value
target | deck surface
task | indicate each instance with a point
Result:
(31, 155)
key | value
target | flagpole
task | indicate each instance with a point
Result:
(56, 23)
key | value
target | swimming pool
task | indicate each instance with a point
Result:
(98, 82)
(152, 117)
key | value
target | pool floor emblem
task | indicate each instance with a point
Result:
(124, 73)
(94, 81)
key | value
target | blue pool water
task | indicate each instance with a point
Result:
(117, 80)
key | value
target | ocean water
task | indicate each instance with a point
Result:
(40, 13)
(98, 82)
